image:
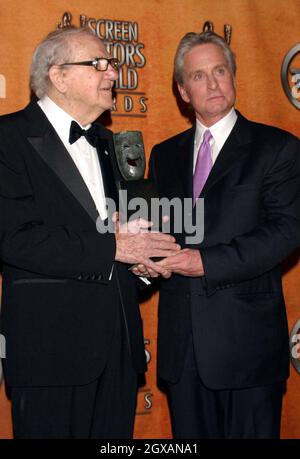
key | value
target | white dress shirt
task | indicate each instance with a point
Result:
(83, 154)
(220, 132)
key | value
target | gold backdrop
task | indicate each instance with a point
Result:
(148, 33)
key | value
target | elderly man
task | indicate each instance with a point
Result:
(223, 337)
(70, 311)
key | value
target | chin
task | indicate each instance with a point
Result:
(106, 104)
(218, 109)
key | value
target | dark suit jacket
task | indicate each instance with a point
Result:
(59, 306)
(236, 312)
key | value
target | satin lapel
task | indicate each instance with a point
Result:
(185, 160)
(52, 151)
(233, 148)
(104, 151)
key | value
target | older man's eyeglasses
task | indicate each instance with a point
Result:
(99, 63)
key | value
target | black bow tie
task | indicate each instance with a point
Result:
(90, 134)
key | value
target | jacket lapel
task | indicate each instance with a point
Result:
(48, 145)
(185, 160)
(107, 164)
(233, 148)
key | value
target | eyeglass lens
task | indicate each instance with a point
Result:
(103, 62)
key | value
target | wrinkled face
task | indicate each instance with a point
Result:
(208, 84)
(87, 92)
(130, 154)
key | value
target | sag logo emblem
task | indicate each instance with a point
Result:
(295, 346)
(290, 76)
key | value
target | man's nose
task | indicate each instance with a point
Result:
(112, 73)
(211, 81)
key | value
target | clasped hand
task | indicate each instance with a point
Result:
(186, 262)
(136, 244)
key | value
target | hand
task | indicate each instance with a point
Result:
(187, 262)
(142, 271)
(136, 244)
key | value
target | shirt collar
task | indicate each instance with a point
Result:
(60, 120)
(220, 130)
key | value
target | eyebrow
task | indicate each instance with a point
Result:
(193, 72)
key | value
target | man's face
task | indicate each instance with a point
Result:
(208, 84)
(87, 92)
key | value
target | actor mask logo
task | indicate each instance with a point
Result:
(130, 154)
(290, 75)
(295, 346)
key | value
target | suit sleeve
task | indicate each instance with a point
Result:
(261, 249)
(26, 242)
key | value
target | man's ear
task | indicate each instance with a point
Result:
(234, 81)
(57, 78)
(183, 93)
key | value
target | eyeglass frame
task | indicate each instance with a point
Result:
(109, 61)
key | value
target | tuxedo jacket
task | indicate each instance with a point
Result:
(60, 298)
(236, 312)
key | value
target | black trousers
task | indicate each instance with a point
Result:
(198, 412)
(102, 409)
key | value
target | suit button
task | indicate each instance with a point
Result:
(100, 277)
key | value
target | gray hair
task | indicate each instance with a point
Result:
(54, 49)
(192, 39)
